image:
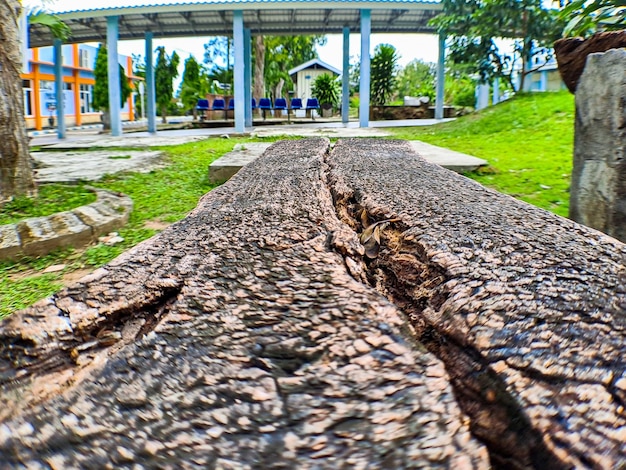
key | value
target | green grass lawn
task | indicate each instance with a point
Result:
(528, 142)
(160, 197)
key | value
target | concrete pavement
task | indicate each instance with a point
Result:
(85, 158)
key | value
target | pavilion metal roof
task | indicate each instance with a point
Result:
(267, 17)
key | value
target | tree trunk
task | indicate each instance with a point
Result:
(259, 68)
(16, 165)
(301, 317)
(279, 88)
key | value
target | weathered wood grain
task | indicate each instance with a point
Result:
(527, 309)
(301, 316)
(241, 337)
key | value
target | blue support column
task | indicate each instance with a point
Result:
(240, 113)
(440, 77)
(150, 87)
(247, 83)
(345, 78)
(58, 85)
(115, 109)
(364, 86)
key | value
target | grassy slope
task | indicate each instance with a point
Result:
(528, 142)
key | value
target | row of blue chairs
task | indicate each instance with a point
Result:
(264, 104)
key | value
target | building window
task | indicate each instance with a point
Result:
(28, 97)
(68, 86)
(83, 58)
(85, 99)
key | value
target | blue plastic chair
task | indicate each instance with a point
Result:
(264, 104)
(312, 104)
(218, 104)
(253, 103)
(296, 103)
(280, 104)
(203, 107)
(231, 104)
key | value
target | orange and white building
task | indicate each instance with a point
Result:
(38, 85)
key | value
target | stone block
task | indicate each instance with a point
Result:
(10, 245)
(40, 235)
(598, 192)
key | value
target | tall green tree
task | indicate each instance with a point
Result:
(274, 56)
(383, 68)
(100, 100)
(283, 53)
(473, 27)
(165, 71)
(194, 85)
(417, 78)
(586, 17)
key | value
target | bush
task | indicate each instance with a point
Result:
(326, 90)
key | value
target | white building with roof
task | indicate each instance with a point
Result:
(304, 75)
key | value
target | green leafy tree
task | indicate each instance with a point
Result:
(165, 71)
(383, 68)
(326, 90)
(417, 78)
(218, 57)
(101, 87)
(283, 53)
(194, 85)
(586, 17)
(472, 27)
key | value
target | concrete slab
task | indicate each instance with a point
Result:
(455, 161)
(319, 130)
(139, 140)
(62, 167)
(226, 166)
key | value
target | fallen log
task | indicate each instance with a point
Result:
(302, 315)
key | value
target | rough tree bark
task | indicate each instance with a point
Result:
(293, 320)
(259, 68)
(16, 166)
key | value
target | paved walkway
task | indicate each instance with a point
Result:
(77, 164)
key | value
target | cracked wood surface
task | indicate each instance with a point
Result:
(240, 337)
(526, 309)
(255, 334)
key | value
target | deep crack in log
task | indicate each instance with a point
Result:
(434, 265)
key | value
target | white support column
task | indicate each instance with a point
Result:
(440, 77)
(238, 35)
(496, 91)
(115, 109)
(150, 86)
(247, 83)
(364, 86)
(345, 79)
(58, 85)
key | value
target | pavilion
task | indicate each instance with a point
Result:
(241, 19)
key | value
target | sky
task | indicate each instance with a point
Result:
(408, 46)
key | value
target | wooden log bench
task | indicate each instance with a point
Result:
(353, 307)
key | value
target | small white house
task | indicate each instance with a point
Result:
(304, 76)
